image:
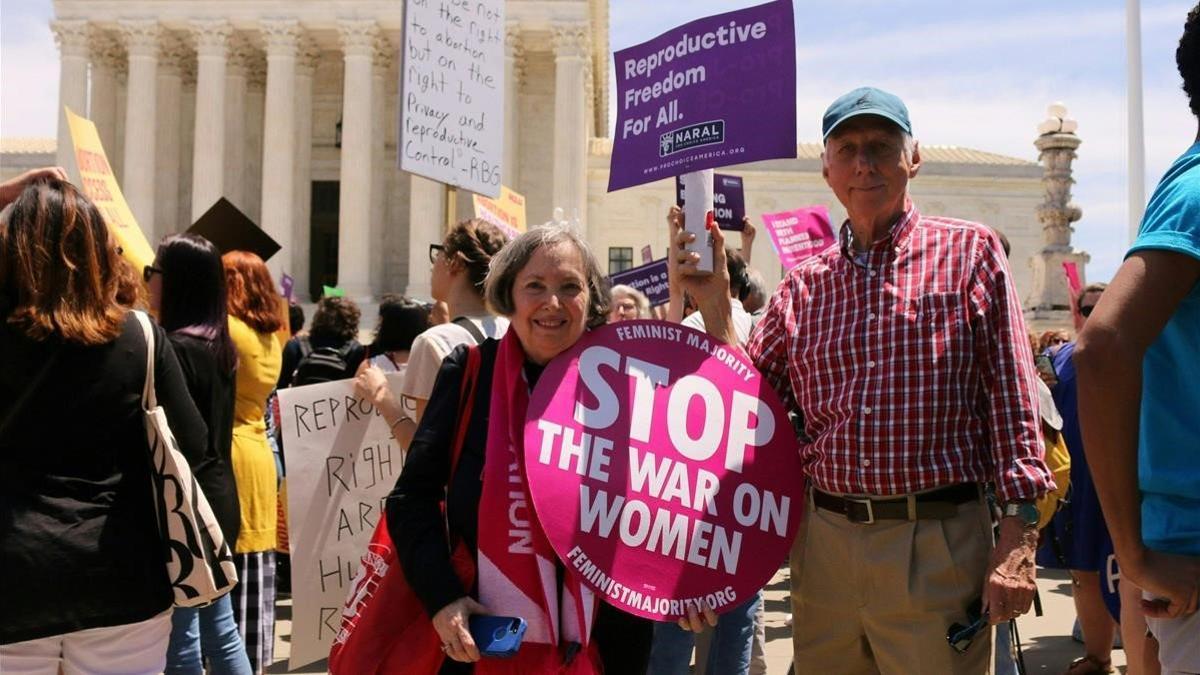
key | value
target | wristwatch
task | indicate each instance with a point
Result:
(1027, 512)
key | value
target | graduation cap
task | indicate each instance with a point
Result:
(231, 230)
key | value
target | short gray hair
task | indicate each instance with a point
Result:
(498, 287)
(639, 299)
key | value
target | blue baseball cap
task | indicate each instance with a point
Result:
(865, 101)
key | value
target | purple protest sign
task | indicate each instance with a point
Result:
(729, 200)
(287, 283)
(799, 234)
(713, 92)
(662, 468)
(650, 279)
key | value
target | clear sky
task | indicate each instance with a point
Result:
(972, 73)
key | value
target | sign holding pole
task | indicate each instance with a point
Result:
(100, 185)
(452, 93)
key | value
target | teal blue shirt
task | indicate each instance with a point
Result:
(1169, 430)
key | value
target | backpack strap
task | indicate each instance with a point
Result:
(305, 346)
(471, 328)
(466, 404)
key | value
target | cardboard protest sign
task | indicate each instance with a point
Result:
(650, 279)
(716, 91)
(507, 212)
(729, 200)
(98, 182)
(287, 285)
(647, 254)
(662, 468)
(799, 233)
(452, 93)
(342, 462)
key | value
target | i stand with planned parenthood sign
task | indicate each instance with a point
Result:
(452, 92)
(663, 469)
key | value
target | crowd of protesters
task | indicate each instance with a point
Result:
(946, 449)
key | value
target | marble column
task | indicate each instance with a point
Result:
(306, 65)
(426, 214)
(108, 62)
(380, 169)
(236, 79)
(141, 114)
(358, 37)
(171, 60)
(571, 62)
(208, 156)
(279, 140)
(256, 94)
(72, 39)
(514, 71)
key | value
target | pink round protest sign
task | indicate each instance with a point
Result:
(662, 468)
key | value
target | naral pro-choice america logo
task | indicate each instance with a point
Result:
(693, 136)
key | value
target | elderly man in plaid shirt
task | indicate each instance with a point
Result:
(904, 349)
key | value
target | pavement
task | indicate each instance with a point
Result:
(1045, 640)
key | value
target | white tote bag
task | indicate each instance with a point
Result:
(199, 562)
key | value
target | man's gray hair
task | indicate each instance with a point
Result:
(498, 287)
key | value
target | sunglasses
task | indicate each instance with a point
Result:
(959, 636)
(434, 251)
(1086, 310)
(149, 271)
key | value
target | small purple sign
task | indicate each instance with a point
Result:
(729, 200)
(713, 92)
(647, 254)
(650, 279)
(287, 283)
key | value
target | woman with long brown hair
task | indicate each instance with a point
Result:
(85, 582)
(254, 318)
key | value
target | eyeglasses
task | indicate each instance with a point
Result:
(149, 271)
(1086, 310)
(434, 250)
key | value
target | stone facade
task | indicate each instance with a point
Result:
(290, 111)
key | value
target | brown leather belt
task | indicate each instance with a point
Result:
(937, 504)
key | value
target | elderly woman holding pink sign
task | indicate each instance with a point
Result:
(551, 288)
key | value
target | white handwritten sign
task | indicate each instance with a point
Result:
(342, 462)
(452, 92)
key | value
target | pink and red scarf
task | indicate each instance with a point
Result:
(518, 569)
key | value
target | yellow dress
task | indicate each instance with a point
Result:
(260, 357)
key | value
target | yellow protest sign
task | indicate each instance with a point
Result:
(100, 185)
(506, 212)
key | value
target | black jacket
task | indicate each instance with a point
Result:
(79, 543)
(213, 392)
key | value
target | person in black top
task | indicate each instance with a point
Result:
(551, 287)
(334, 332)
(85, 582)
(187, 292)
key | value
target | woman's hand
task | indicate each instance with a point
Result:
(370, 383)
(11, 189)
(696, 620)
(451, 625)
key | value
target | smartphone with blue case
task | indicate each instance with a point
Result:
(497, 636)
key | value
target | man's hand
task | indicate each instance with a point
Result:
(451, 625)
(748, 234)
(1174, 580)
(1010, 584)
(11, 189)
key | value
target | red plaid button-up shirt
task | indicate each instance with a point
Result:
(909, 363)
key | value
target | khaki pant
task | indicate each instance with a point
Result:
(878, 598)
